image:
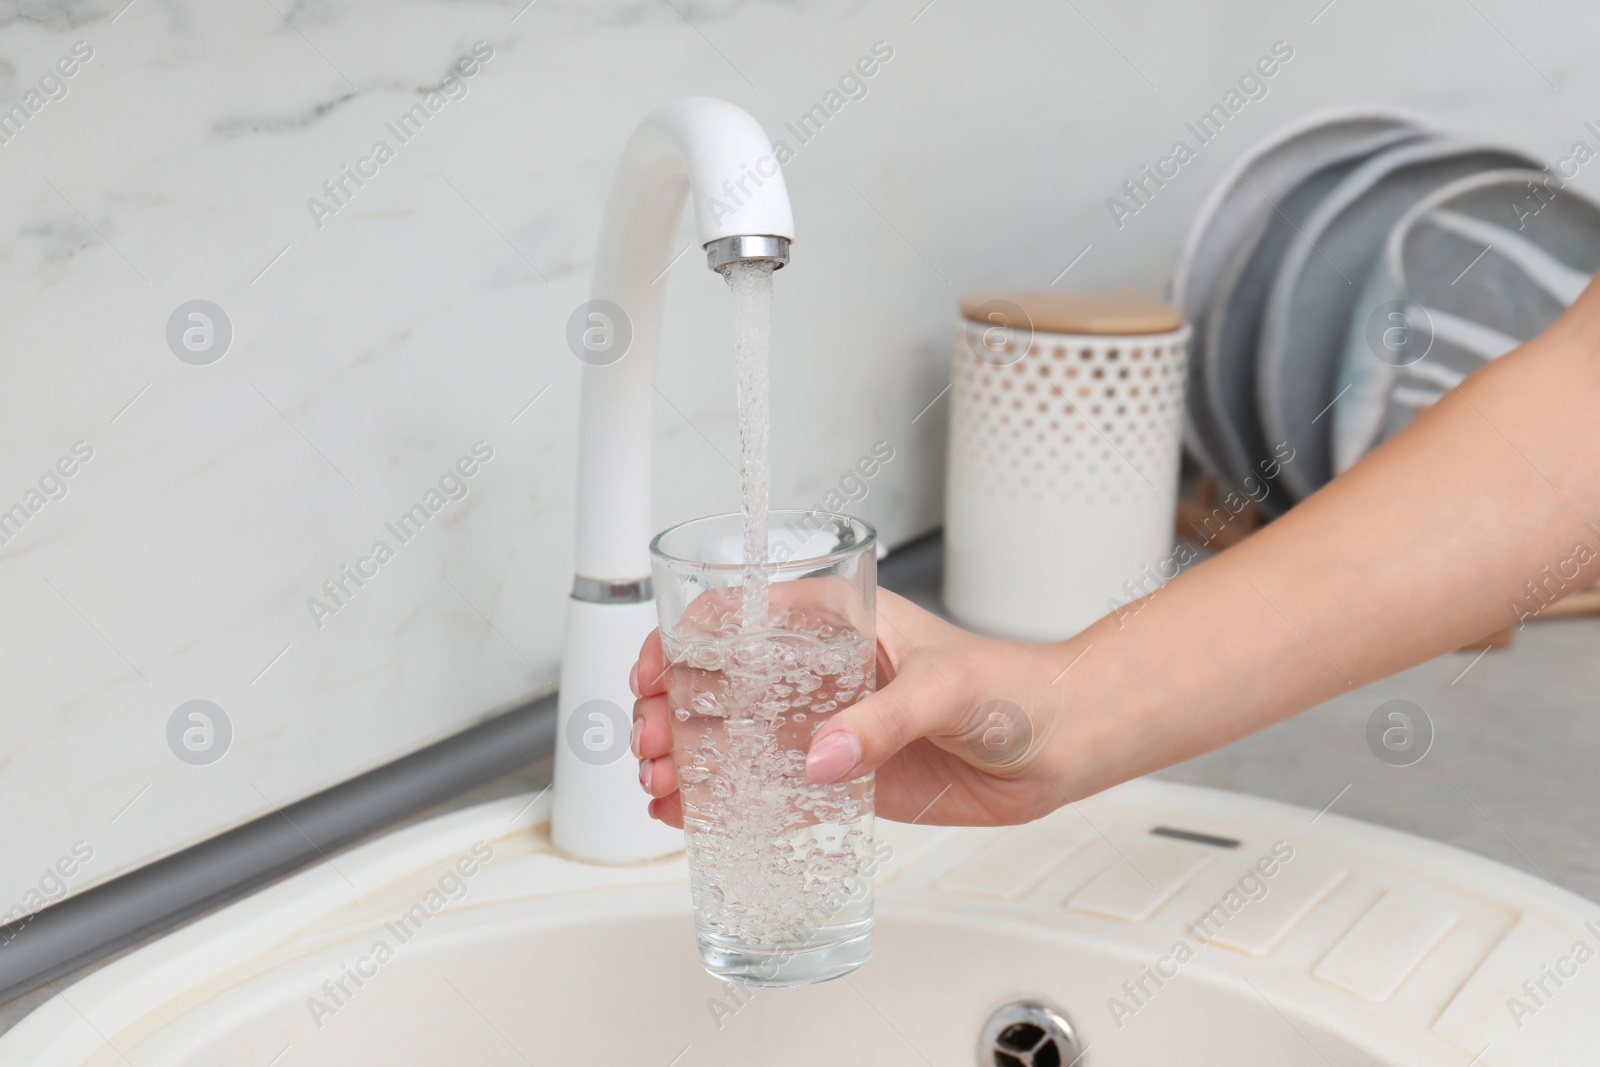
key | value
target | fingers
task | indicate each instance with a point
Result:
(651, 743)
(860, 738)
(902, 627)
(651, 739)
(913, 699)
(835, 756)
(649, 674)
(659, 776)
(652, 727)
(668, 809)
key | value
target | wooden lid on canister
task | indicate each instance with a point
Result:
(1073, 313)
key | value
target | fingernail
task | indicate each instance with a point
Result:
(646, 768)
(633, 738)
(832, 756)
(633, 679)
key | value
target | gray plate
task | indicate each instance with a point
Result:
(1235, 209)
(1478, 267)
(1233, 322)
(1320, 282)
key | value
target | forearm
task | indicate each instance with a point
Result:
(1427, 544)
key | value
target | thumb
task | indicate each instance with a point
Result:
(859, 739)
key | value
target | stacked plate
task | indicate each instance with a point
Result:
(1347, 272)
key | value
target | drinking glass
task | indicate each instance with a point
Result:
(759, 658)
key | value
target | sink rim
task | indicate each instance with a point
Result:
(153, 987)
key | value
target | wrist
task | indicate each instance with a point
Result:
(1094, 711)
(1014, 695)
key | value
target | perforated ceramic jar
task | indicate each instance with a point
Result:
(1065, 437)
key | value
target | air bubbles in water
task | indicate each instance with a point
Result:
(751, 282)
(780, 848)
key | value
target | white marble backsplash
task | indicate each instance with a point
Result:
(396, 316)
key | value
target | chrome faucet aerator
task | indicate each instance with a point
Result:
(746, 248)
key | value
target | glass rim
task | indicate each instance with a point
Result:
(868, 541)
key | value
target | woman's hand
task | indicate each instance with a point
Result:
(1445, 533)
(957, 730)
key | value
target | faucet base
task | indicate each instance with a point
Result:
(597, 591)
(599, 814)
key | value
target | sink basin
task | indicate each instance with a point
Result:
(1168, 924)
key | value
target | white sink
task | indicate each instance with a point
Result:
(1365, 947)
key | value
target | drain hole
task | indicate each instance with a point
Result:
(1028, 1034)
(1024, 1037)
(1197, 837)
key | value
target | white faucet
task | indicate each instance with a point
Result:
(720, 155)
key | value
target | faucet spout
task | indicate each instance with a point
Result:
(717, 156)
(747, 248)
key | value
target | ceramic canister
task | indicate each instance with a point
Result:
(1065, 436)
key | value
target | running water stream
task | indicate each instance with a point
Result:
(751, 282)
(780, 866)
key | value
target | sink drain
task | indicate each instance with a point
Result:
(1026, 1033)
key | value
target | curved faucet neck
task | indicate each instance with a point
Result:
(716, 154)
